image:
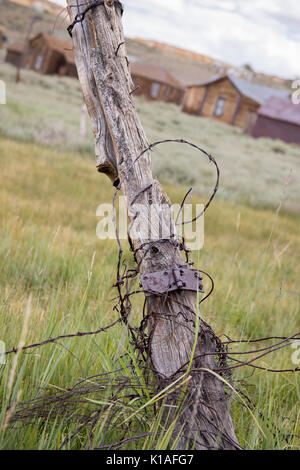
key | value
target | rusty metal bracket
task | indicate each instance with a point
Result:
(161, 282)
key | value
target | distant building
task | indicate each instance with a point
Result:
(14, 54)
(49, 55)
(3, 39)
(228, 99)
(278, 119)
(156, 83)
(44, 54)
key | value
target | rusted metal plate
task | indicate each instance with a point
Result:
(161, 282)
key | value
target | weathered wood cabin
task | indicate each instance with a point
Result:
(278, 119)
(228, 99)
(49, 55)
(156, 83)
(44, 54)
(3, 39)
(14, 54)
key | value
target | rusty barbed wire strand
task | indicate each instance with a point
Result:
(123, 310)
(57, 338)
(266, 338)
(80, 16)
(139, 338)
(65, 403)
(266, 350)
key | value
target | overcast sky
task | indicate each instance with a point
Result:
(263, 33)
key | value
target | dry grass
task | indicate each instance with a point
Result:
(49, 253)
(48, 241)
(256, 172)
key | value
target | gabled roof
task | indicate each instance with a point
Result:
(16, 47)
(155, 73)
(258, 93)
(281, 110)
(59, 45)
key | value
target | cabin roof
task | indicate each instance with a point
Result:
(156, 73)
(59, 45)
(281, 110)
(16, 47)
(258, 93)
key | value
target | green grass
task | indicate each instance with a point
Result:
(53, 267)
(255, 172)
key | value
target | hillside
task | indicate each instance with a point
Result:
(193, 67)
(257, 172)
(56, 276)
(46, 5)
(53, 265)
(15, 20)
(186, 66)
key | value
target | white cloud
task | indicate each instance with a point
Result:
(264, 33)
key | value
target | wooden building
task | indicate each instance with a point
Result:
(278, 119)
(44, 54)
(156, 83)
(49, 55)
(228, 99)
(3, 39)
(14, 54)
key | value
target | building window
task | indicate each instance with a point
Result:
(219, 109)
(38, 62)
(155, 90)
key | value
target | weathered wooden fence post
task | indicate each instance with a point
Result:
(103, 71)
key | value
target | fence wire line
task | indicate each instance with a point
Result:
(66, 402)
(81, 15)
(131, 274)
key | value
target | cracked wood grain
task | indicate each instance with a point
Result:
(205, 421)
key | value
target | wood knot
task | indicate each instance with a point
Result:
(110, 77)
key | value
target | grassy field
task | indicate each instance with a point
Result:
(256, 172)
(56, 277)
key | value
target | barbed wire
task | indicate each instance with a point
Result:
(65, 404)
(57, 338)
(80, 16)
(138, 334)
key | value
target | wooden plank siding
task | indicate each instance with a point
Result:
(49, 55)
(278, 118)
(49, 58)
(192, 99)
(2, 39)
(165, 92)
(14, 54)
(202, 100)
